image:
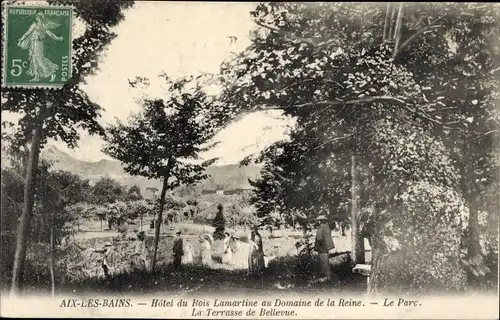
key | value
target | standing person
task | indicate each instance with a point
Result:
(140, 252)
(178, 251)
(256, 253)
(108, 260)
(227, 253)
(323, 245)
(252, 248)
(259, 254)
(206, 249)
(187, 258)
(239, 253)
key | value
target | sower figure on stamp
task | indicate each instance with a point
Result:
(323, 245)
(40, 66)
(178, 251)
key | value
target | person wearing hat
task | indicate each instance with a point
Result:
(178, 249)
(323, 245)
(109, 258)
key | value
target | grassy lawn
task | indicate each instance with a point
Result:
(78, 269)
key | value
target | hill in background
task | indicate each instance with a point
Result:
(229, 177)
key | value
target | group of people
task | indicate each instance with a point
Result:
(255, 255)
(183, 252)
(232, 249)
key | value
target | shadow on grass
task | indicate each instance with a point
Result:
(284, 274)
(189, 279)
(304, 274)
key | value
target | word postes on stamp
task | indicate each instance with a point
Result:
(37, 47)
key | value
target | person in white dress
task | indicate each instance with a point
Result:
(239, 252)
(206, 242)
(187, 258)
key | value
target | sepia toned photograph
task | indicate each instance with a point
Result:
(278, 160)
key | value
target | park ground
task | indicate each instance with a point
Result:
(78, 269)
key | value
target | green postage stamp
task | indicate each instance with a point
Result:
(37, 46)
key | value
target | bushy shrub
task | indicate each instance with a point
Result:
(419, 247)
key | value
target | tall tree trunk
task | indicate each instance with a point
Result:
(358, 250)
(390, 35)
(28, 201)
(377, 260)
(386, 21)
(397, 31)
(474, 247)
(40, 229)
(52, 256)
(158, 219)
(469, 193)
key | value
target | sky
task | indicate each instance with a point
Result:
(180, 39)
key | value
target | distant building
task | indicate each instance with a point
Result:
(237, 191)
(207, 191)
(226, 192)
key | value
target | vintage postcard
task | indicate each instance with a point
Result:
(250, 160)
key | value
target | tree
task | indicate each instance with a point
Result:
(107, 190)
(219, 223)
(11, 207)
(159, 142)
(60, 113)
(134, 193)
(56, 191)
(350, 74)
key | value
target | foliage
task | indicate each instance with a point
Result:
(239, 215)
(57, 190)
(156, 140)
(59, 114)
(56, 193)
(134, 193)
(107, 190)
(161, 140)
(355, 88)
(138, 209)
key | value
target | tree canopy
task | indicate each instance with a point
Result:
(405, 87)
